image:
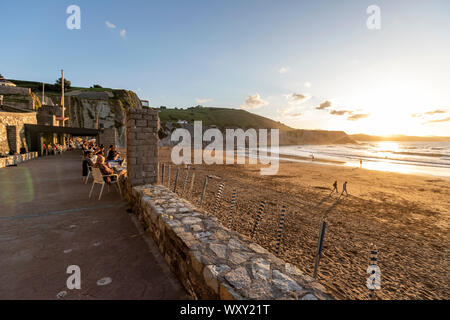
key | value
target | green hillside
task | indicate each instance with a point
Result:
(220, 117)
(36, 87)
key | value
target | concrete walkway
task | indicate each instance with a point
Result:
(47, 223)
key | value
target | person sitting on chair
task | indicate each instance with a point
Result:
(104, 169)
(113, 154)
(87, 162)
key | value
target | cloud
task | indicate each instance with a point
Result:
(254, 102)
(284, 111)
(297, 114)
(358, 116)
(324, 105)
(296, 98)
(110, 25)
(284, 70)
(340, 112)
(308, 84)
(200, 101)
(438, 120)
(430, 113)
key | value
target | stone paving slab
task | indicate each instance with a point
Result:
(47, 223)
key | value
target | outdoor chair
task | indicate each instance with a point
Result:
(88, 174)
(98, 179)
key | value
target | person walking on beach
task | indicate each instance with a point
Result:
(360, 163)
(335, 187)
(344, 189)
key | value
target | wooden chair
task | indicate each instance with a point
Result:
(98, 179)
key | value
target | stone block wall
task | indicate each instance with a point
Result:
(17, 159)
(211, 261)
(10, 120)
(46, 119)
(142, 146)
(15, 90)
(108, 137)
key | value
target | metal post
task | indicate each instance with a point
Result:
(62, 98)
(232, 208)
(205, 183)
(218, 197)
(374, 271)
(259, 213)
(176, 181)
(319, 248)
(192, 183)
(280, 230)
(168, 176)
(43, 93)
(185, 182)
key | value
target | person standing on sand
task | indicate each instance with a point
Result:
(344, 189)
(360, 163)
(335, 187)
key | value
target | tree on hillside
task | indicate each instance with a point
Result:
(96, 86)
(67, 84)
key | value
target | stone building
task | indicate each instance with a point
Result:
(13, 137)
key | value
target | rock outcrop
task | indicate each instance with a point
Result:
(83, 108)
(83, 105)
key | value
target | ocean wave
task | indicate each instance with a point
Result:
(420, 154)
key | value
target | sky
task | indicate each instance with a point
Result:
(308, 64)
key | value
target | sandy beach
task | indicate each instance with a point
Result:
(406, 216)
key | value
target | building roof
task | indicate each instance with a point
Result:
(54, 129)
(4, 82)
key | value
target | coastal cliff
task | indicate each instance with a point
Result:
(227, 118)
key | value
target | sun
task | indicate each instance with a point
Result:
(390, 106)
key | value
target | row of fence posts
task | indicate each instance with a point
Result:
(373, 270)
(167, 182)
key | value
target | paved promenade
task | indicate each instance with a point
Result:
(47, 223)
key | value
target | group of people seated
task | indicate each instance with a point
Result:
(94, 156)
(52, 149)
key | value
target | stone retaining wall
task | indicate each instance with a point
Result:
(17, 159)
(9, 120)
(211, 261)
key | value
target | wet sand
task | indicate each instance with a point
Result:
(406, 216)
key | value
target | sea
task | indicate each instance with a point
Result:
(423, 158)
